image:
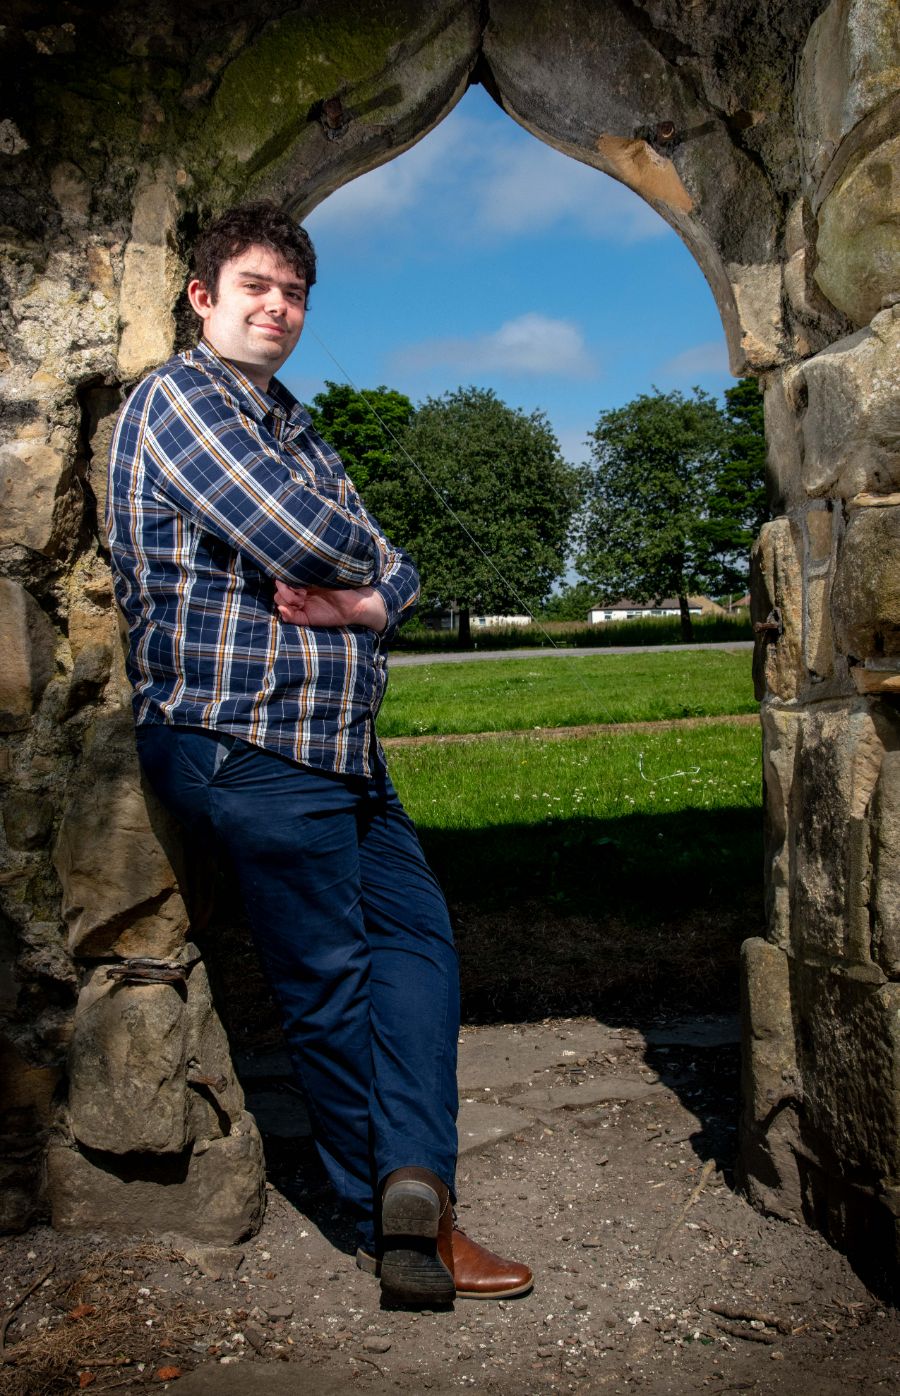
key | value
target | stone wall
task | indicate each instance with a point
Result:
(765, 133)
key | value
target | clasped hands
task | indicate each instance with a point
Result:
(320, 606)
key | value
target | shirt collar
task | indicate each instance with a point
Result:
(277, 402)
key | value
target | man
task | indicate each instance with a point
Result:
(259, 596)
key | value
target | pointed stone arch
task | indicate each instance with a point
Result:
(764, 133)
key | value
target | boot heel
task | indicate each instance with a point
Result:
(410, 1208)
(412, 1272)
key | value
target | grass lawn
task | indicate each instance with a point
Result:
(515, 694)
(616, 869)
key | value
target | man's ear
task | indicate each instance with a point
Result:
(200, 299)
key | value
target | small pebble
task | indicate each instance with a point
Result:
(376, 1344)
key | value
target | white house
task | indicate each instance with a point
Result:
(641, 610)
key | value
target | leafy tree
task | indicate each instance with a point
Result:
(500, 471)
(736, 506)
(656, 461)
(347, 421)
(571, 602)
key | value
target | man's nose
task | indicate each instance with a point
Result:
(276, 302)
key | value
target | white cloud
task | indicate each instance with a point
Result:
(697, 362)
(493, 183)
(530, 345)
(403, 185)
(531, 187)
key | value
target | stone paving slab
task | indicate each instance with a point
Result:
(495, 1058)
(480, 1124)
(591, 1093)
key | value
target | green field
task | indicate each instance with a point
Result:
(518, 817)
(617, 872)
(521, 694)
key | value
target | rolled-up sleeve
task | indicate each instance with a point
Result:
(207, 461)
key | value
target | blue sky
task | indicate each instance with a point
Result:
(483, 256)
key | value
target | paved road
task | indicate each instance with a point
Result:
(404, 661)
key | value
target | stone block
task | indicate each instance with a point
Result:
(781, 730)
(776, 583)
(119, 890)
(848, 68)
(213, 1193)
(212, 1110)
(90, 675)
(39, 507)
(783, 403)
(851, 425)
(28, 646)
(886, 867)
(771, 1088)
(837, 763)
(858, 247)
(127, 1068)
(865, 598)
(757, 293)
(849, 1059)
(27, 820)
(151, 280)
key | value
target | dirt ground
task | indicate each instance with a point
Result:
(601, 1155)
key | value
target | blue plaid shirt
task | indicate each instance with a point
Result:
(215, 490)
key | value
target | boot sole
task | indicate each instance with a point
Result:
(411, 1269)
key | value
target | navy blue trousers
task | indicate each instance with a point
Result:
(354, 937)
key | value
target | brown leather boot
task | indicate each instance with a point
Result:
(478, 1273)
(413, 1203)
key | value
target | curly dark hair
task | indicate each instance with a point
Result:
(260, 224)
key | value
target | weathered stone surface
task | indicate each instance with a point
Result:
(214, 1193)
(886, 867)
(206, 1047)
(838, 760)
(814, 321)
(781, 731)
(783, 405)
(851, 423)
(776, 583)
(818, 640)
(127, 1068)
(771, 1085)
(28, 646)
(119, 891)
(27, 820)
(849, 66)
(101, 406)
(858, 247)
(757, 294)
(866, 591)
(849, 1057)
(26, 1094)
(152, 278)
(38, 506)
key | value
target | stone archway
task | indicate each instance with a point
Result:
(763, 133)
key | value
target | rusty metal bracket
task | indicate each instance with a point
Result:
(197, 1077)
(145, 969)
(772, 626)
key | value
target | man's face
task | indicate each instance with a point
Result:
(258, 312)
